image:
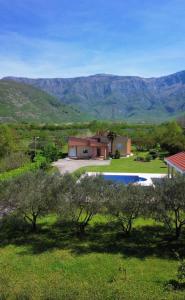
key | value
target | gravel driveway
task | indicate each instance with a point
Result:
(68, 165)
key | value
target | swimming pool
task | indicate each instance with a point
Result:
(126, 179)
(145, 179)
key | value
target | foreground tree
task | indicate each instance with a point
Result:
(169, 203)
(83, 200)
(32, 195)
(126, 203)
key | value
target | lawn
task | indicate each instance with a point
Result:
(131, 166)
(55, 263)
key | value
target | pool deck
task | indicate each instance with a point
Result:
(150, 178)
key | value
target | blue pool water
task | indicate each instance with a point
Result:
(126, 179)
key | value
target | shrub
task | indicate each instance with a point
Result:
(163, 154)
(41, 162)
(117, 154)
(50, 152)
(139, 158)
(148, 158)
(153, 153)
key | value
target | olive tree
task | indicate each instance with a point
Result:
(169, 203)
(82, 200)
(32, 195)
(126, 203)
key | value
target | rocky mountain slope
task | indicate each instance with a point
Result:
(21, 102)
(119, 97)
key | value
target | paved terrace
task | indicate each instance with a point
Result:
(70, 165)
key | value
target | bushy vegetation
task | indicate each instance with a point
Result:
(19, 171)
(36, 193)
(22, 150)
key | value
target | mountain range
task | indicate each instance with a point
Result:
(114, 97)
(22, 102)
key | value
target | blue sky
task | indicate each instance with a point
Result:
(68, 38)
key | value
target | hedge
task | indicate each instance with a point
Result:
(16, 172)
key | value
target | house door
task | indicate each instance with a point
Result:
(98, 152)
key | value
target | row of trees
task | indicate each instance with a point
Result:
(170, 135)
(18, 148)
(36, 194)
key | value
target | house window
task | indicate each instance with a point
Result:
(119, 146)
(85, 150)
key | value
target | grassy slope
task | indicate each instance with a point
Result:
(20, 102)
(130, 166)
(56, 264)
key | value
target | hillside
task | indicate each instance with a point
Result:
(21, 102)
(119, 97)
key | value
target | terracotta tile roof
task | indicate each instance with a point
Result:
(177, 160)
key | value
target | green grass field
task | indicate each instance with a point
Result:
(131, 166)
(55, 263)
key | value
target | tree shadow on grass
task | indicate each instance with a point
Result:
(174, 285)
(100, 238)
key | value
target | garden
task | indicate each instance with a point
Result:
(130, 165)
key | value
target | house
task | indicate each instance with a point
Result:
(122, 144)
(98, 146)
(176, 164)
